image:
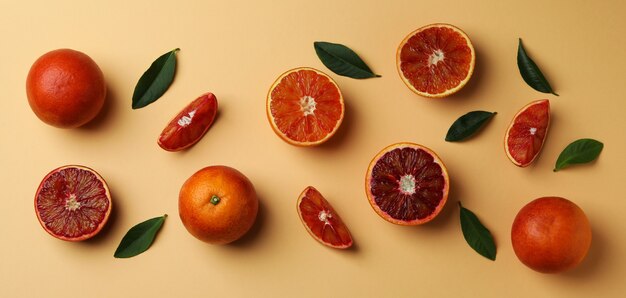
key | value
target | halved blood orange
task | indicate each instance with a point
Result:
(407, 184)
(73, 203)
(188, 127)
(321, 220)
(527, 132)
(304, 107)
(436, 60)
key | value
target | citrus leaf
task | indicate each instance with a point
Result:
(476, 235)
(156, 80)
(467, 125)
(139, 238)
(579, 151)
(342, 60)
(530, 72)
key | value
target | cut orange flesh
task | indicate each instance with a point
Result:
(304, 107)
(73, 203)
(436, 60)
(527, 132)
(407, 184)
(188, 127)
(321, 220)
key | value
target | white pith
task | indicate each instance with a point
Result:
(407, 184)
(307, 105)
(72, 204)
(435, 57)
(323, 216)
(186, 120)
(533, 131)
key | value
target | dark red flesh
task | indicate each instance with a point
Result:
(88, 205)
(188, 127)
(429, 184)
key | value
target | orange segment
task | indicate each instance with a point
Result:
(305, 107)
(190, 124)
(321, 220)
(436, 60)
(66, 88)
(527, 132)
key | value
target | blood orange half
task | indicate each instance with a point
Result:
(73, 203)
(304, 107)
(321, 220)
(436, 60)
(527, 133)
(407, 184)
(188, 127)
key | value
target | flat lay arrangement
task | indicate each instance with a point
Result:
(440, 148)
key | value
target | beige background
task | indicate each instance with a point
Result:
(236, 50)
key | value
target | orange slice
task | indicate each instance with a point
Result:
(436, 60)
(190, 124)
(321, 220)
(407, 184)
(304, 107)
(73, 203)
(527, 132)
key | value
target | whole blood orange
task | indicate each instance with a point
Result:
(188, 127)
(218, 204)
(321, 220)
(436, 60)
(527, 133)
(304, 107)
(73, 203)
(551, 235)
(65, 88)
(407, 184)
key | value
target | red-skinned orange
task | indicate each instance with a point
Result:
(551, 235)
(65, 88)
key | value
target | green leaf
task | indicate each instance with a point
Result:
(530, 72)
(139, 238)
(156, 80)
(579, 151)
(467, 125)
(476, 235)
(342, 60)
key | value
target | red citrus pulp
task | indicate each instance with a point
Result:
(321, 220)
(65, 88)
(527, 133)
(188, 127)
(304, 107)
(436, 60)
(407, 184)
(73, 203)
